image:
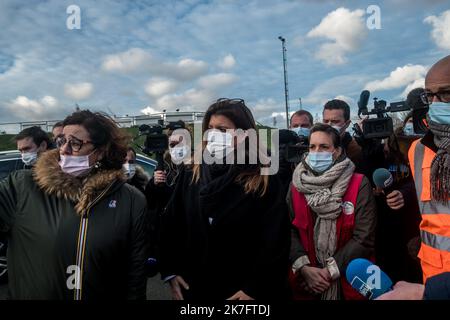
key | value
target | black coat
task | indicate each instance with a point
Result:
(395, 230)
(42, 212)
(246, 247)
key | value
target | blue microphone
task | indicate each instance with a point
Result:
(367, 278)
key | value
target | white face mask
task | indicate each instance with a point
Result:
(129, 169)
(178, 153)
(220, 144)
(75, 165)
(29, 158)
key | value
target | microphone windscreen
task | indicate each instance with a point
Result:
(363, 100)
(367, 278)
(414, 101)
(382, 178)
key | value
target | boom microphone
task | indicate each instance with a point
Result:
(367, 278)
(363, 101)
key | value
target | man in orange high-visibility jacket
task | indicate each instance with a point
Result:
(430, 162)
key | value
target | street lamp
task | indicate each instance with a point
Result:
(286, 90)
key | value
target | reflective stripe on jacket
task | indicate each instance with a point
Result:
(434, 253)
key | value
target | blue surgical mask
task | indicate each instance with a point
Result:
(300, 131)
(439, 112)
(408, 129)
(320, 161)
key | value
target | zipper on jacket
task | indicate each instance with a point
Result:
(81, 246)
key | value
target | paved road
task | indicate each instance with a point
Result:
(156, 290)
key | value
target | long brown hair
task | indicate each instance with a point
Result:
(238, 113)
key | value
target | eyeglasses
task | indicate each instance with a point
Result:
(427, 96)
(74, 143)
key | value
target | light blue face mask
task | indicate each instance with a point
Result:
(300, 131)
(439, 112)
(320, 161)
(408, 129)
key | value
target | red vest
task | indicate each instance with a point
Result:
(303, 221)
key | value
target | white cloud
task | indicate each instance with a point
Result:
(400, 77)
(347, 30)
(136, 60)
(29, 109)
(78, 91)
(191, 99)
(441, 29)
(350, 101)
(269, 112)
(149, 110)
(158, 87)
(217, 81)
(49, 101)
(128, 61)
(419, 83)
(228, 62)
(186, 69)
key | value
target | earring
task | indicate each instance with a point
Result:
(97, 165)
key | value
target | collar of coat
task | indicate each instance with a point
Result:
(83, 192)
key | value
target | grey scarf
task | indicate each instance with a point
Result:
(324, 195)
(440, 167)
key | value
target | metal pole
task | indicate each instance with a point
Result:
(286, 90)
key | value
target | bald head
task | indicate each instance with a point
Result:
(438, 78)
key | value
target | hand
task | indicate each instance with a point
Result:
(316, 279)
(175, 286)
(404, 291)
(159, 177)
(240, 295)
(395, 200)
(377, 191)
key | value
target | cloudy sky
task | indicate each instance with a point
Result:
(131, 57)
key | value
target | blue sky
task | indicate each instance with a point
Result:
(145, 56)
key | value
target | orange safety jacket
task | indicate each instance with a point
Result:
(434, 252)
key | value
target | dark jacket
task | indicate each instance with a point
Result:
(438, 287)
(395, 231)
(244, 247)
(362, 243)
(354, 151)
(158, 197)
(45, 212)
(139, 180)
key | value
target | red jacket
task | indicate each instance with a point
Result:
(303, 221)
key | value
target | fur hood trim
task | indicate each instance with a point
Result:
(83, 192)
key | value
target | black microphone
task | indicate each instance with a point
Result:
(363, 101)
(383, 179)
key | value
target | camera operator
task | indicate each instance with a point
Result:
(430, 162)
(293, 143)
(301, 123)
(159, 190)
(336, 113)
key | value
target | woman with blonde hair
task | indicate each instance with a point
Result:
(225, 232)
